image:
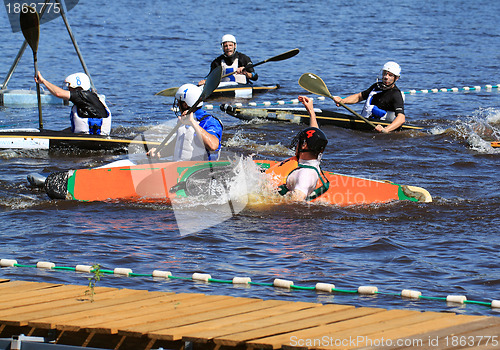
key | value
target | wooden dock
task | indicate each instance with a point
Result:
(139, 319)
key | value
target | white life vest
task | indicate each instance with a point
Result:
(188, 146)
(81, 125)
(239, 78)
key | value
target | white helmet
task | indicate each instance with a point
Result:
(77, 80)
(392, 67)
(189, 93)
(228, 37)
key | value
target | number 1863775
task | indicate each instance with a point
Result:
(33, 7)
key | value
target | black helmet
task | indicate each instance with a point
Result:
(314, 138)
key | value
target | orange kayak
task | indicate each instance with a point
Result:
(495, 144)
(166, 181)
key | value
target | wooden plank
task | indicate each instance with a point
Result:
(20, 315)
(228, 321)
(271, 320)
(159, 314)
(40, 292)
(165, 303)
(19, 287)
(123, 297)
(48, 318)
(51, 305)
(424, 330)
(478, 328)
(244, 306)
(275, 336)
(9, 285)
(85, 319)
(375, 333)
(484, 339)
(326, 330)
(231, 305)
(41, 296)
(74, 321)
(3, 280)
(268, 308)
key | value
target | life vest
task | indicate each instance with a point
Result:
(285, 168)
(371, 111)
(239, 78)
(189, 146)
(93, 126)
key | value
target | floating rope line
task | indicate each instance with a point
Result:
(267, 103)
(279, 283)
(487, 87)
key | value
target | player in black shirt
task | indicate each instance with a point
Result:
(89, 114)
(384, 100)
(231, 61)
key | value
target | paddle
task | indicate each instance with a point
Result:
(30, 26)
(211, 84)
(312, 83)
(281, 57)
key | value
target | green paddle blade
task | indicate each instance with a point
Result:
(312, 83)
(168, 92)
(30, 26)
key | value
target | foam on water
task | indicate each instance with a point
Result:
(238, 140)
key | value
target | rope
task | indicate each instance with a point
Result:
(487, 87)
(278, 283)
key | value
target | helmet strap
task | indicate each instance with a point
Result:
(178, 107)
(381, 84)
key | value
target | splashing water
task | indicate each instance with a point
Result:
(480, 129)
(240, 141)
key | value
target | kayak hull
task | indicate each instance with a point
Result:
(231, 89)
(300, 115)
(164, 182)
(51, 139)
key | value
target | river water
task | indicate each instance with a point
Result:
(132, 50)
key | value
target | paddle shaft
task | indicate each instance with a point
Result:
(280, 57)
(355, 113)
(30, 26)
(212, 82)
(177, 126)
(313, 83)
(40, 119)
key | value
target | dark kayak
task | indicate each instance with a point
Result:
(300, 115)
